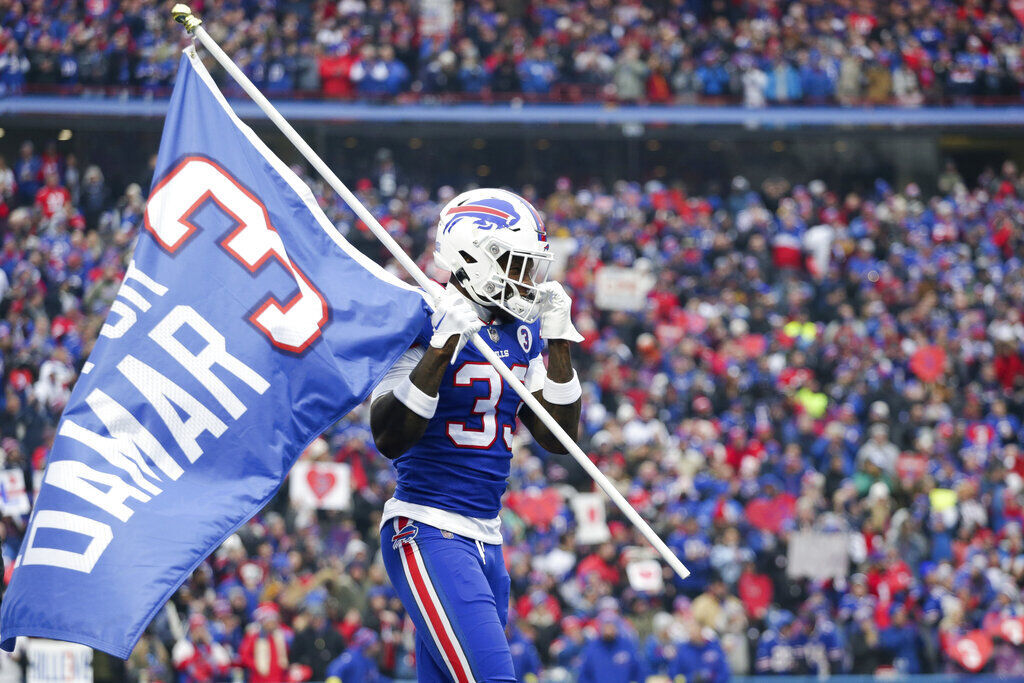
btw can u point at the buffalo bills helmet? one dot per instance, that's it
(493, 243)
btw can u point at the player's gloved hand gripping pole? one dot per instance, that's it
(183, 15)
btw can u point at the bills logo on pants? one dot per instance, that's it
(456, 592)
(407, 534)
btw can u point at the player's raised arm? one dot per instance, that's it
(405, 401)
(561, 393)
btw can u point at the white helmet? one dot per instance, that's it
(493, 243)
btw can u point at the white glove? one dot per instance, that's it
(556, 313)
(453, 316)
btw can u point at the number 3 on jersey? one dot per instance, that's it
(485, 406)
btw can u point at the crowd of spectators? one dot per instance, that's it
(808, 362)
(907, 52)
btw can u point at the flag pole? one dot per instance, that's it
(193, 24)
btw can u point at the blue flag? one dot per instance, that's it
(244, 327)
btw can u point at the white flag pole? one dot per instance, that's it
(183, 15)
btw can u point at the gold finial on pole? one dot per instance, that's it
(183, 15)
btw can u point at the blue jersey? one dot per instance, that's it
(658, 655)
(352, 666)
(525, 658)
(703, 662)
(610, 662)
(461, 463)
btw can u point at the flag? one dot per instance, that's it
(244, 327)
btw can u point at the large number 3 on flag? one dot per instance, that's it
(188, 186)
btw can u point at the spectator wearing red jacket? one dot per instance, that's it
(197, 658)
(601, 563)
(335, 67)
(1008, 365)
(264, 649)
(52, 198)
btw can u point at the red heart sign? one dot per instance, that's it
(537, 508)
(929, 363)
(769, 514)
(320, 483)
(972, 651)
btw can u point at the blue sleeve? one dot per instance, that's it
(764, 655)
(334, 669)
(679, 664)
(650, 648)
(586, 674)
(534, 656)
(639, 669)
(889, 639)
(722, 672)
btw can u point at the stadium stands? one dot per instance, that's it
(806, 364)
(860, 52)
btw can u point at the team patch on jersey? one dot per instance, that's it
(404, 536)
(525, 337)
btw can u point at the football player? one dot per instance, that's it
(446, 418)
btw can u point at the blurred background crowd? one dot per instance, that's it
(905, 52)
(810, 371)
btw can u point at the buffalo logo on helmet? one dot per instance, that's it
(490, 213)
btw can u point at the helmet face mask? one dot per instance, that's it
(493, 243)
(513, 286)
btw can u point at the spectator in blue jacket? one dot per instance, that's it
(781, 648)
(567, 649)
(14, 65)
(817, 80)
(693, 545)
(783, 82)
(473, 77)
(537, 72)
(358, 664)
(280, 77)
(611, 657)
(68, 65)
(28, 173)
(712, 76)
(902, 641)
(825, 652)
(701, 659)
(378, 72)
(395, 74)
(525, 658)
(660, 648)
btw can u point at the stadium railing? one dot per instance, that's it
(519, 113)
